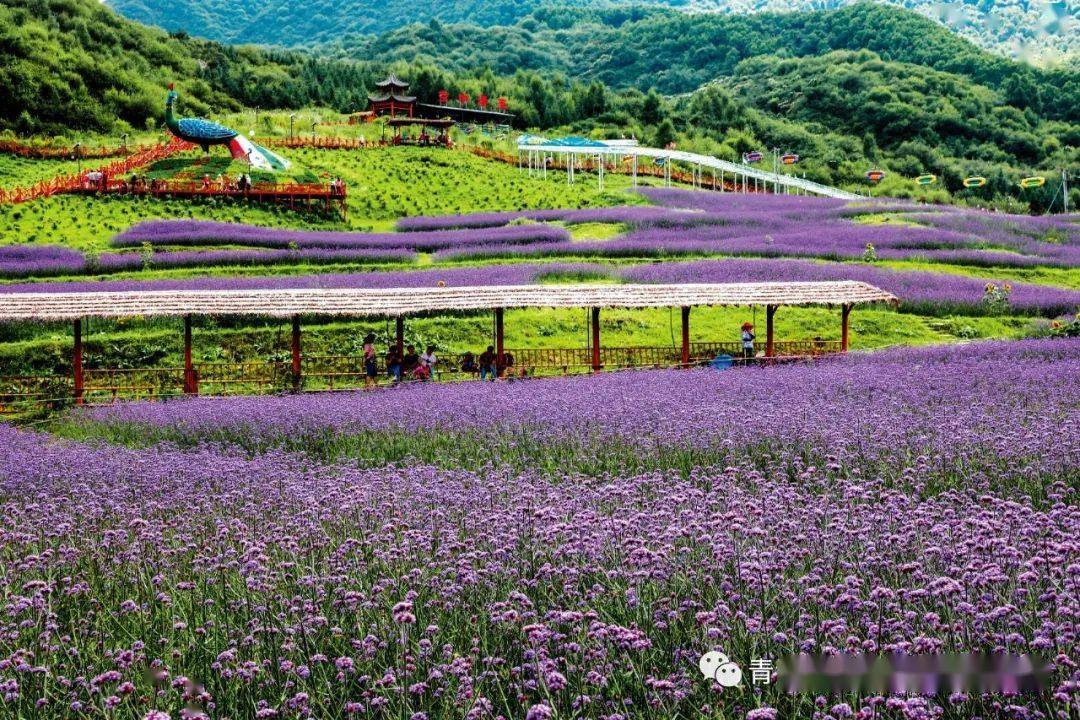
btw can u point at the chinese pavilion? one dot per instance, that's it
(392, 98)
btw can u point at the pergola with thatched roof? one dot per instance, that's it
(401, 302)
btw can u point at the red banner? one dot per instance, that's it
(482, 101)
(502, 104)
(463, 98)
(444, 97)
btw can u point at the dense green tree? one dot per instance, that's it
(652, 108)
(665, 133)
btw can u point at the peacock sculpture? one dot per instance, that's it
(204, 133)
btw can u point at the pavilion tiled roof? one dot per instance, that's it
(385, 97)
(392, 81)
(396, 302)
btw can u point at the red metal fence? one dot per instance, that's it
(76, 181)
(302, 196)
(324, 143)
(47, 152)
(341, 372)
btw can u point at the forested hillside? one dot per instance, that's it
(1009, 27)
(846, 89)
(678, 53)
(77, 65)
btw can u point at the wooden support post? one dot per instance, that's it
(770, 310)
(686, 336)
(296, 371)
(845, 311)
(399, 336)
(500, 353)
(596, 340)
(191, 382)
(77, 362)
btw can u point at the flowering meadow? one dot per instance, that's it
(699, 223)
(549, 548)
(26, 260)
(683, 223)
(202, 232)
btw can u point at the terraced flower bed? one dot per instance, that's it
(332, 555)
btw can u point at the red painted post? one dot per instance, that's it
(596, 339)
(845, 310)
(685, 336)
(500, 362)
(399, 336)
(191, 382)
(77, 362)
(770, 310)
(296, 378)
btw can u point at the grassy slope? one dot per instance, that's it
(403, 181)
(383, 185)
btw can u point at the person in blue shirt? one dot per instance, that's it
(748, 341)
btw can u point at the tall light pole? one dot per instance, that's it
(776, 169)
(78, 155)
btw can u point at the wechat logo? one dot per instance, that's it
(715, 665)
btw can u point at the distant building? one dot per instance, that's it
(392, 98)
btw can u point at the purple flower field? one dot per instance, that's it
(25, 260)
(790, 226)
(510, 274)
(118, 262)
(918, 290)
(634, 215)
(207, 233)
(550, 548)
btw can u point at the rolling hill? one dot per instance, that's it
(678, 52)
(847, 88)
(1008, 27)
(73, 65)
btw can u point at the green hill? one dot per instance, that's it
(845, 89)
(678, 52)
(76, 65)
(1009, 27)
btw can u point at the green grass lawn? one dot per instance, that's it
(383, 185)
(1059, 277)
(18, 171)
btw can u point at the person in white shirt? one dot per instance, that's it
(428, 360)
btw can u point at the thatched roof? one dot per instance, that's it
(409, 301)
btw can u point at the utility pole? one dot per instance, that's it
(1065, 189)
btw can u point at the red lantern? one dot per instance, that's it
(482, 101)
(502, 104)
(463, 98)
(444, 97)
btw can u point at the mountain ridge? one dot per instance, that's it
(1013, 28)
